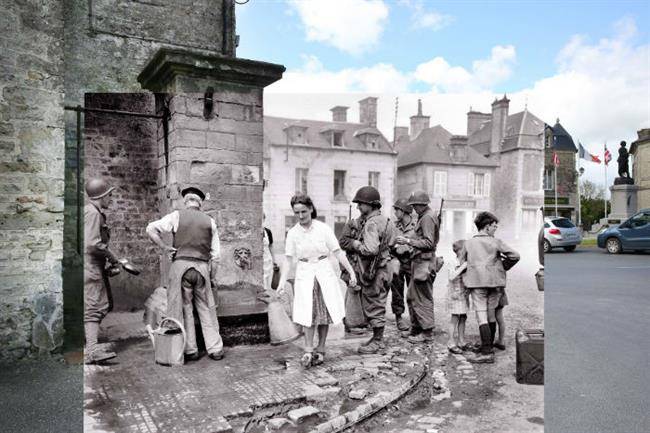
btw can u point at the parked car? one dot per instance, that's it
(631, 234)
(560, 232)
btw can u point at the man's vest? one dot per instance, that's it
(193, 239)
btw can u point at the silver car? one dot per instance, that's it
(560, 233)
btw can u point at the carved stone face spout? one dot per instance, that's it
(242, 257)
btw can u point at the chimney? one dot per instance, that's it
(418, 122)
(499, 119)
(339, 114)
(368, 111)
(400, 133)
(458, 148)
(475, 119)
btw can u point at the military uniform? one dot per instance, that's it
(97, 297)
(401, 254)
(373, 228)
(420, 295)
(354, 317)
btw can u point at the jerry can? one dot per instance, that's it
(530, 356)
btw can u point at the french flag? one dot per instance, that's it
(583, 154)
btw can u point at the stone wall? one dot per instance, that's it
(107, 44)
(222, 156)
(31, 177)
(123, 150)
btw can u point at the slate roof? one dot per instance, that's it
(518, 125)
(431, 146)
(316, 135)
(561, 139)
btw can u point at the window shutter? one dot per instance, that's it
(443, 192)
(486, 185)
(470, 184)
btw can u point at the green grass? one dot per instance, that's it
(588, 242)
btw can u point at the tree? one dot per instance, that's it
(592, 197)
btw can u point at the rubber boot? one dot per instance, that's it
(493, 331)
(486, 355)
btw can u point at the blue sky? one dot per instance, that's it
(585, 62)
(272, 30)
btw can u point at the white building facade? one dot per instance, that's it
(328, 161)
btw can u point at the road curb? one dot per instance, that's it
(372, 406)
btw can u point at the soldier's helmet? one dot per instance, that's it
(419, 197)
(403, 205)
(97, 188)
(368, 195)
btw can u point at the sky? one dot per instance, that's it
(586, 63)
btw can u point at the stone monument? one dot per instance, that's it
(623, 192)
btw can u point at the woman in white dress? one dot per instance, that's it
(318, 300)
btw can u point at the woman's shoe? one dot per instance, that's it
(307, 359)
(318, 358)
(499, 346)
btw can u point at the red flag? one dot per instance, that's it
(556, 159)
(608, 156)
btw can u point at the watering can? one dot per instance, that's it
(168, 343)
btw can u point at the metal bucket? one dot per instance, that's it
(168, 344)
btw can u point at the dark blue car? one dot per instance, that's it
(631, 234)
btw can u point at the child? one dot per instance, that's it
(457, 302)
(501, 323)
(487, 258)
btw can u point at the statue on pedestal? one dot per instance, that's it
(623, 167)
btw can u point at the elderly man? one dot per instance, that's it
(98, 260)
(194, 254)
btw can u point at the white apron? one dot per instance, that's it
(304, 288)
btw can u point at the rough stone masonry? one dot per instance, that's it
(51, 54)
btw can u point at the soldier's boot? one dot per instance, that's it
(425, 336)
(96, 354)
(375, 344)
(402, 323)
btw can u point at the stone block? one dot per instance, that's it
(299, 415)
(221, 141)
(236, 126)
(249, 143)
(211, 173)
(276, 423)
(187, 138)
(246, 174)
(358, 394)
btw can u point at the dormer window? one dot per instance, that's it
(337, 138)
(296, 134)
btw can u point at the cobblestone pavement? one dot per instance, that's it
(251, 385)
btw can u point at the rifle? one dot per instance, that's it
(442, 201)
(372, 269)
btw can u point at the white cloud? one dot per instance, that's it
(426, 19)
(312, 76)
(352, 26)
(485, 72)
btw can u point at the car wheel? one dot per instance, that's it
(570, 248)
(547, 246)
(613, 246)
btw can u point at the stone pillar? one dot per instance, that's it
(220, 151)
(624, 201)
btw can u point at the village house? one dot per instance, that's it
(496, 166)
(560, 143)
(329, 160)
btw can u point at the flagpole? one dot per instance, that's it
(579, 204)
(555, 184)
(605, 194)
